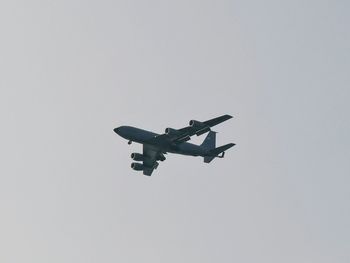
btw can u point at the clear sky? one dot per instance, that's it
(71, 71)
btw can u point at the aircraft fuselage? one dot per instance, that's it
(142, 136)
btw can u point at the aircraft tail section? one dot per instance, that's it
(209, 141)
(215, 152)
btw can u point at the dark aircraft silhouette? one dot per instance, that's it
(173, 141)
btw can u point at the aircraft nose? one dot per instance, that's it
(122, 131)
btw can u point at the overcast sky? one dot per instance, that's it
(71, 71)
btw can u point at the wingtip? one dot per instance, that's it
(227, 116)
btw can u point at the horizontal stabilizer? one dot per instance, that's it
(221, 149)
(215, 152)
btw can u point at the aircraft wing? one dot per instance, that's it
(203, 127)
(150, 162)
(184, 134)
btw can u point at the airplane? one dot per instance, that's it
(173, 141)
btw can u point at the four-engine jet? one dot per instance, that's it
(173, 141)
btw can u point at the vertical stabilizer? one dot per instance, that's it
(209, 141)
(209, 144)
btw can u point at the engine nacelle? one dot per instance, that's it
(137, 157)
(161, 157)
(194, 123)
(171, 131)
(202, 131)
(137, 166)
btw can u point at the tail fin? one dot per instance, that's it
(215, 152)
(209, 141)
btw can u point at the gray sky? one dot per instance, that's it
(71, 71)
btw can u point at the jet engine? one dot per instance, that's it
(202, 131)
(195, 123)
(171, 131)
(137, 166)
(202, 128)
(137, 157)
(161, 157)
